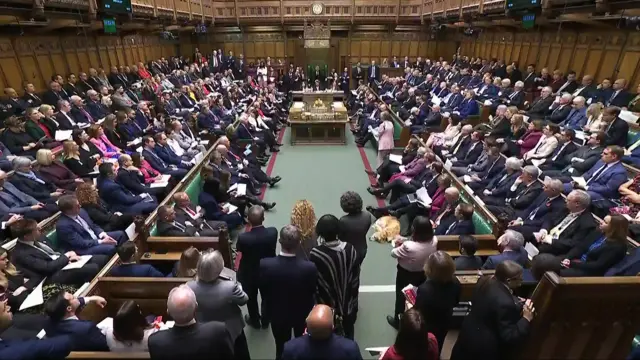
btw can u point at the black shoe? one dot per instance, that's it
(265, 324)
(393, 321)
(251, 322)
(394, 213)
(274, 150)
(268, 206)
(273, 182)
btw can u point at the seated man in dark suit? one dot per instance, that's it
(539, 108)
(189, 339)
(557, 159)
(287, 309)
(616, 129)
(128, 266)
(579, 161)
(521, 193)
(467, 259)
(14, 201)
(463, 224)
(468, 155)
(213, 211)
(548, 205)
(35, 259)
(157, 163)
(320, 340)
(188, 214)
(118, 198)
(560, 110)
(132, 179)
(565, 235)
(511, 245)
(164, 152)
(77, 232)
(169, 225)
(95, 107)
(62, 310)
(30, 182)
(53, 349)
(256, 244)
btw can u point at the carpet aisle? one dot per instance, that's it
(321, 174)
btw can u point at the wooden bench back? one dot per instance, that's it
(584, 318)
(164, 245)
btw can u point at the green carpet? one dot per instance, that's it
(320, 174)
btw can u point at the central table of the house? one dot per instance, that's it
(318, 118)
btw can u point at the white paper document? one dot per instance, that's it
(78, 264)
(537, 162)
(467, 179)
(396, 158)
(579, 180)
(199, 156)
(131, 231)
(136, 141)
(63, 135)
(436, 100)
(242, 190)
(204, 142)
(448, 164)
(139, 149)
(233, 187)
(628, 116)
(531, 250)
(229, 208)
(423, 197)
(402, 168)
(35, 298)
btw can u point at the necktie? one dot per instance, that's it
(86, 114)
(513, 94)
(613, 96)
(86, 227)
(535, 211)
(556, 231)
(559, 151)
(179, 226)
(451, 227)
(597, 174)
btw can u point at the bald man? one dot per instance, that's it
(186, 212)
(320, 341)
(12, 105)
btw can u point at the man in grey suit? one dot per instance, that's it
(219, 298)
(14, 201)
(189, 339)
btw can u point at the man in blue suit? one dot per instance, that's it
(157, 163)
(605, 177)
(287, 285)
(128, 267)
(51, 349)
(468, 106)
(511, 245)
(118, 197)
(487, 90)
(455, 98)
(61, 309)
(577, 117)
(256, 244)
(619, 96)
(76, 232)
(167, 155)
(320, 341)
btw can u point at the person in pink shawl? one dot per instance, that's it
(100, 140)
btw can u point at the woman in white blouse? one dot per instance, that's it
(594, 118)
(546, 145)
(449, 135)
(130, 330)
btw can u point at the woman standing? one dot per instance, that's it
(438, 295)
(414, 341)
(355, 224)
(498, 321)
(219, 299)
(385, 140)
(338, 274)
(411, 255)
(304, 218)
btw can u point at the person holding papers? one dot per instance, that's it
(53, 171)
(213, 211)
(118, 197)
(168, 225)
(34, 259)
(19, 142)
(603, 179)
(568, 234)
(56, 348)
(132, 179)
(80, 234)
(14, 286)
(62, 309)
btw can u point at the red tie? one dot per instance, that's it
(191, 212)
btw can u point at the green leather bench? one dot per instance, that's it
(481, 225)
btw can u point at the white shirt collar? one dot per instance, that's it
(286, 254)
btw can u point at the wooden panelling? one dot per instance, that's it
(614, 54)
(37, 59)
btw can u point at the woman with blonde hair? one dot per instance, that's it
(14, 288)
(303, 217)
(53, 171)
(71, 155)
(594, 118)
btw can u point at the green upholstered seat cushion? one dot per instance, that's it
(194, 188)
(632, 137)
(53, 239)
(482, 226)
(154, 230)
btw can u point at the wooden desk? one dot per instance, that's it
(323, 124)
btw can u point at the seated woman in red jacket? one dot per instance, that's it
(55, 172)
(413, 340)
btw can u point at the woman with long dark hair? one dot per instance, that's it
(413, 341)
(130, 331)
